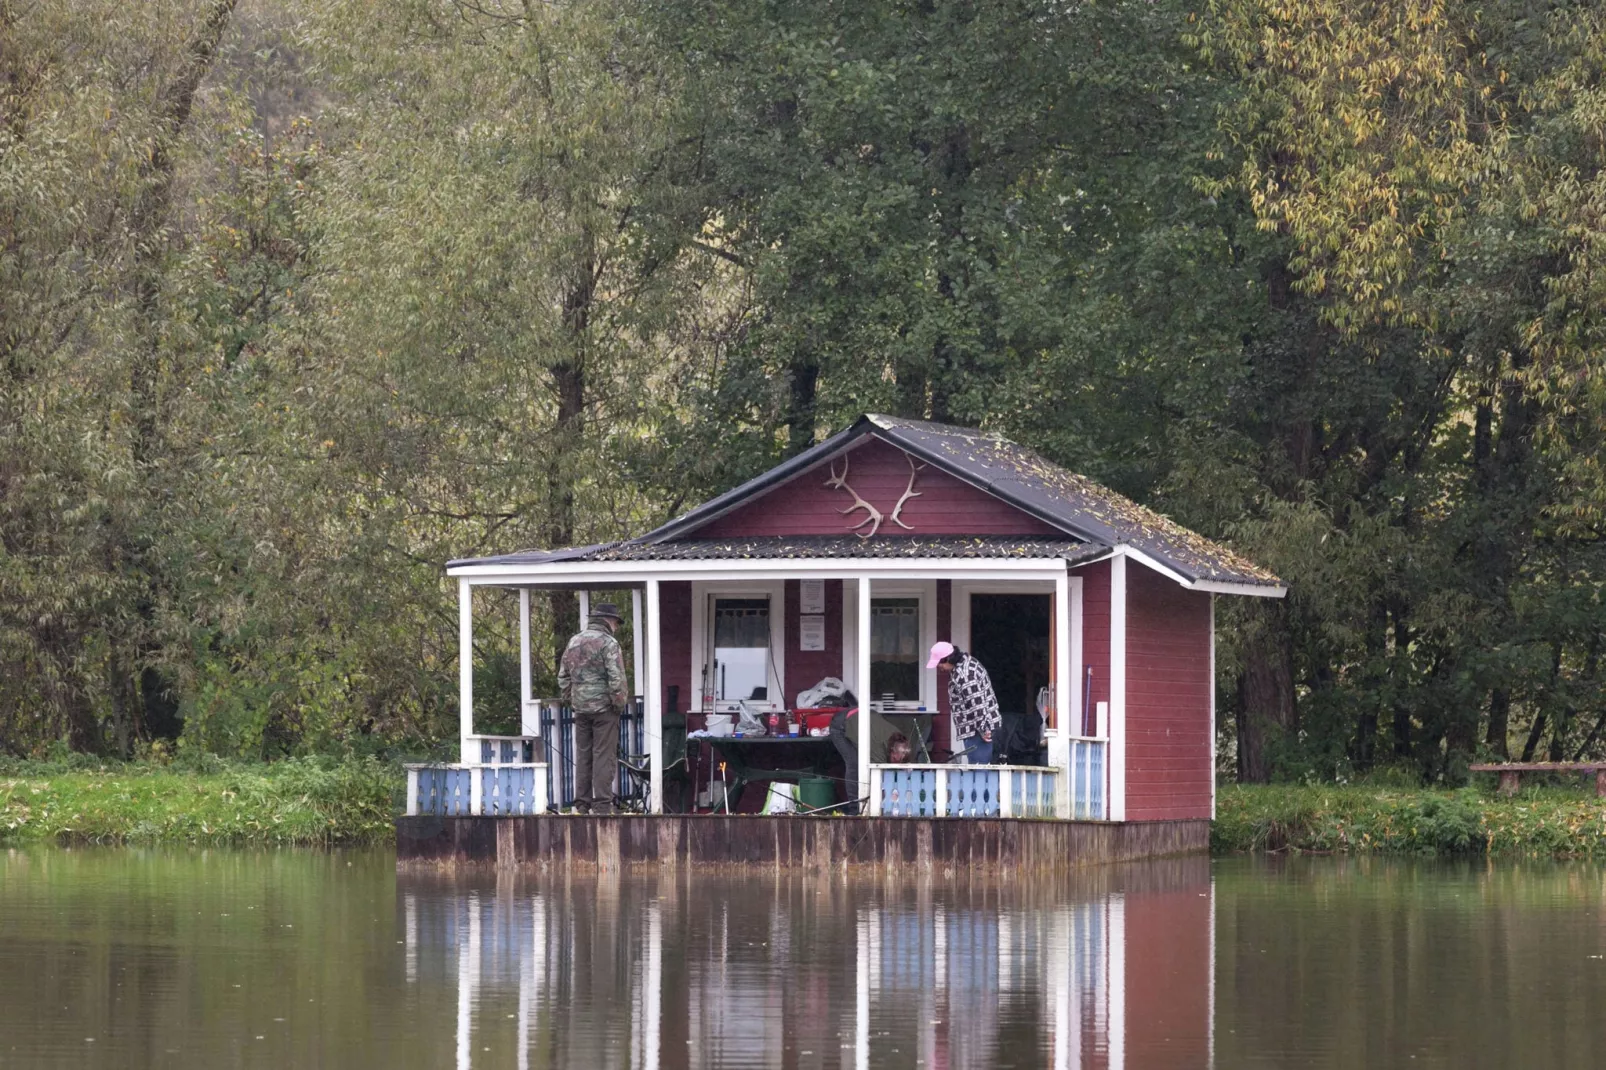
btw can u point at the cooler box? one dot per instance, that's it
(817, 716)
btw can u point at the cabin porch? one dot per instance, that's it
(795, 623)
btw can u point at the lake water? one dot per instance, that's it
(128, 958)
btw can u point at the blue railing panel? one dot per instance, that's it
(1087, 779)
(445, 792)
(972, 793)
(507, 790)
(909, 793)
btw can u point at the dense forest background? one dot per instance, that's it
(300, 299)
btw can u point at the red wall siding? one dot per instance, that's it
(1095, 635)
(805, 668)
(879, 472)
(1168, 683)
(674, 606)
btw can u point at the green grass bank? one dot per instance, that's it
(296, 802)
(1540, 822)
(326, 802)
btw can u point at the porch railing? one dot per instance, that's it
(476, 790)
(1086, 773)
(507, 750)
(962, 791)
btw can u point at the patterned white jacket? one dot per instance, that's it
(971, 698)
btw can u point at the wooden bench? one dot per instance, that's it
(1511, 772)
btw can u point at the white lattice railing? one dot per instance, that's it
(477, 790)
(503, 750)
(962, 791)
(1085, 779)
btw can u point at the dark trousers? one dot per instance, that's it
(850, 754)
(596, 760)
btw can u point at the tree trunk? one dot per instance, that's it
(149, 218)
(1266, 689)
(953, 166)
(1535, 733)
(1404, 747)
(800, 416)
(1564, 722)
(912, 386)
(1499, 724)
(569, 384)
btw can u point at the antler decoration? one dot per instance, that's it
(872, 515)
(908, 492)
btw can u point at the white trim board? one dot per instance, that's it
(1251, 590)
(600, 574)
(1117, 726)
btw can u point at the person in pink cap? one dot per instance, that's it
(971, 699)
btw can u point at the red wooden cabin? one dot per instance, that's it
(852, 558)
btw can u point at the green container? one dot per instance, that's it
(813, 792)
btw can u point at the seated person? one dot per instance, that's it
(898, 749)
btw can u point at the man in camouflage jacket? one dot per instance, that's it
(591, 679)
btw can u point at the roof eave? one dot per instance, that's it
(1253, 588)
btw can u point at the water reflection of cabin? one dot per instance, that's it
(1105, 972)
(851, 559)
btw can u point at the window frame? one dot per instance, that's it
(703, 593)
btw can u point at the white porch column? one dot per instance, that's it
(864, 735)
(1117, 728)
(655, 696)
(529, 721)
(465, 669)
(585, 609)
(1059, 741)
(637, 684)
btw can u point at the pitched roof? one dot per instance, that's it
(1020, 477)
(1094, 519)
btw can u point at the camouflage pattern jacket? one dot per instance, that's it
(591, 675)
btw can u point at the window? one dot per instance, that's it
(741, 649)
(895, 661)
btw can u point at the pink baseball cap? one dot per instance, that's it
(939, 651)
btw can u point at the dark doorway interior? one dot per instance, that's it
(1009, 635)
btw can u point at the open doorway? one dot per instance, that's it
(1009, 636)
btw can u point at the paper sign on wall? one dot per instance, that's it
(811, 634)
(811, 595)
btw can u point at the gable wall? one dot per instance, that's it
(1167, 699)
(880, 473)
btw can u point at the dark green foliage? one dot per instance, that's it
(437, 278)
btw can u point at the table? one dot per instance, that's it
(739, 754)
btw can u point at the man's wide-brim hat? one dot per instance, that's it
(606, 609)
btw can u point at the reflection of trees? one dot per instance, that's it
(1464, 963)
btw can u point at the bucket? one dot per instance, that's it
(814, 792)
